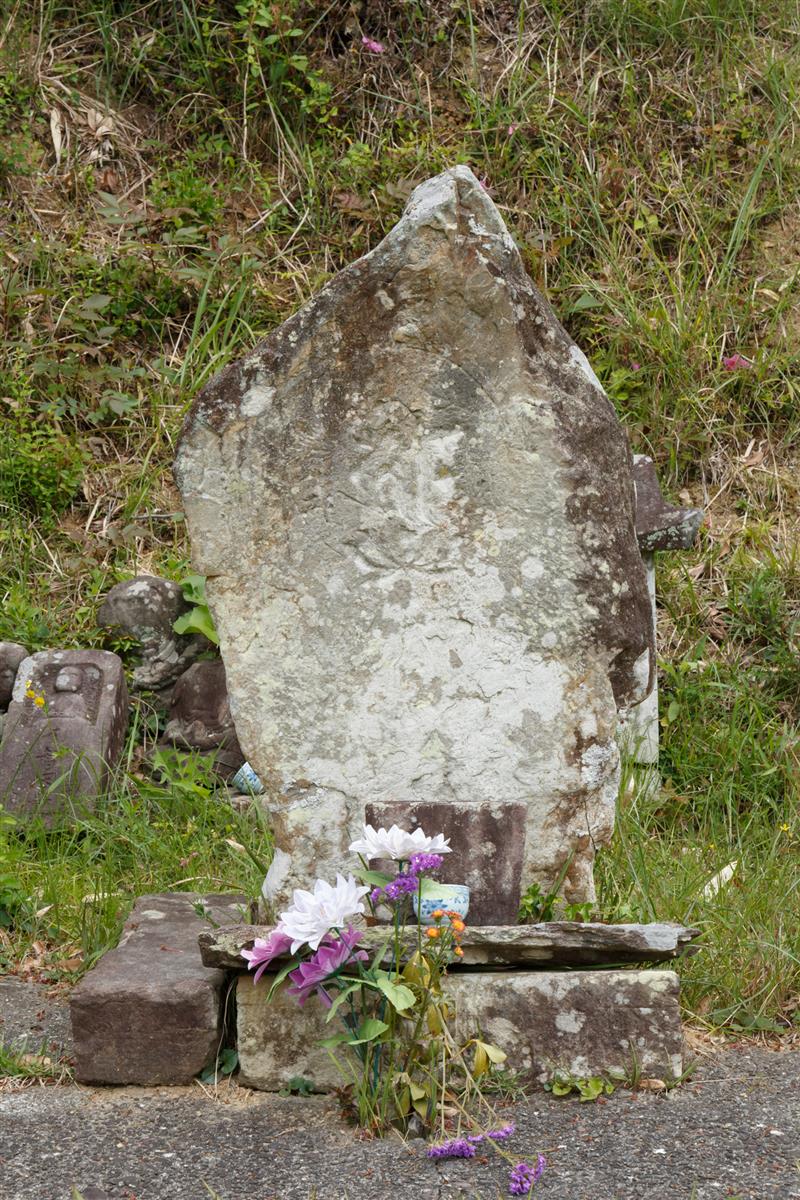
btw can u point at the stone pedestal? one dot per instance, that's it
(583, 1023)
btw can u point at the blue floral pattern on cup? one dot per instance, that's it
(452, 896)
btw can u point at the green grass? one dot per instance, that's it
(213, 164)
(70, 889)
(20, 1067)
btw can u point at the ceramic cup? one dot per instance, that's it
(452, 896)
(246, 782)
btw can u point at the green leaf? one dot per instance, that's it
(368, 1031)
(403, 1102)
(338, 1039)
(279, 978)
(376, 878)
(226, 1064)
(96, 303)
(397, 994)
(586, 301)
(194, 589)
(339, 1000)
(197, 620)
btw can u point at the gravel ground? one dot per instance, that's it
(732, 1132)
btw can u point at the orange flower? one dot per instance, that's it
(459, 926)
(459, 951)
(432, 933)
(437, 914)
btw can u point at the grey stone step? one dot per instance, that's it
(149, 1011)
(584, 1023)
(563, 943)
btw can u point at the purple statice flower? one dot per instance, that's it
(457, 1148)
(265, 949)
(495, 1135)
(333, 952)
(500, 1135)
(523, 1177)
(402, 885)
(424, 862)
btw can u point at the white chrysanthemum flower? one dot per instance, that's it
(397, 843)
(312, 914)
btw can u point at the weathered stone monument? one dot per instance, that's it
(64, 731)
(414, 506)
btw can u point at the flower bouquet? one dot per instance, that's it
(391, 1021)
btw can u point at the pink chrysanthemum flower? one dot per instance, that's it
(265, 949)
(334, 952)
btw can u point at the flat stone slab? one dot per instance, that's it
(734, 1130)
(149, 1011)
(581, 1022)
(567, 943)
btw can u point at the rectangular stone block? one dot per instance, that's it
(149, 1011)
(581, 1022)
(487, 842)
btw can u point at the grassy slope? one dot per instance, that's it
(178, 178)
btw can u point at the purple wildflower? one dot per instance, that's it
(424, 862)
(333, 952)
(457, 1148)
(371, 46)
(523, 1177)
(375, 895)
(265, 949)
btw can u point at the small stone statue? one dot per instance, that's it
(200, 716)
(64, 731)
(146, 608)
(11, 655)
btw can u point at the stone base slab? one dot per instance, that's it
(581, 1022)
(557, 943)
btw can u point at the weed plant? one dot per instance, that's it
(178, 179)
